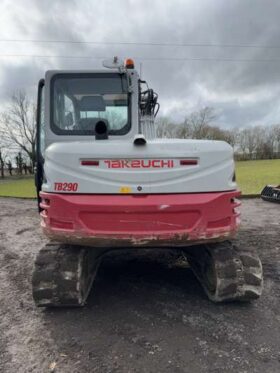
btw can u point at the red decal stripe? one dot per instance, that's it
(89, 163)
(188, 162)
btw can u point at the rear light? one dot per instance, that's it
(188, 162)
(89, 163)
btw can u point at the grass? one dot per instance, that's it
(20, 187)
(252, 176)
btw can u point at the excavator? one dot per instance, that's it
(106, 182)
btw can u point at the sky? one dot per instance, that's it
(230, 61)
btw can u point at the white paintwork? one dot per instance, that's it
(213, 173)
(63, 155)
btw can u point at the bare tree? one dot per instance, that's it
(254, 142)
(259, 140)
(196, 125)
(277, 132)
(3, 156)
(217, 133)
(164, 128)
(270, 141)
(266, 141)
(184, 130)
(19, 163)
(200, 121)
(10, 167)
(231, 136)
(18, 125)
(276, 136)
(248, 140)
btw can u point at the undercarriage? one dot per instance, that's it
(63, 274)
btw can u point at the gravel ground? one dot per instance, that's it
(145, 312)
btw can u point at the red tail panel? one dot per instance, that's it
(147, 220)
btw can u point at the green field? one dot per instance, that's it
(252, 176)
(23, 187)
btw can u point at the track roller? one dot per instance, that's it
(226, 272)
(63, 275)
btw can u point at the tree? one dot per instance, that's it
(10, 167)
(266, 141)
(231, 136)
(248, 140)
(184, 130)
(3, 157)
(242, 142)
(270, 141)
(194, 126)
(18, 125)
(260, 142)
(276, 129)
(200, 121)
(197, 125)
(19, 163)
(164, 128)
(276, 136)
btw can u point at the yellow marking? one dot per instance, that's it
(125, 189)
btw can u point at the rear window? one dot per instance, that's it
(79, 101)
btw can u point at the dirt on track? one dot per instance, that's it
(146, 312)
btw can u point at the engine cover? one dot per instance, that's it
(161, 166)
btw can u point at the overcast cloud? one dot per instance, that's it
(242, 93)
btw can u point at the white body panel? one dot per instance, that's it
(213, 172)
(63, 153)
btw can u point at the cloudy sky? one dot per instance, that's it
(230, 61)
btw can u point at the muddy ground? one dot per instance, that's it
(145, 313)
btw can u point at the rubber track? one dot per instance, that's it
(61, 275)
(237, 274)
